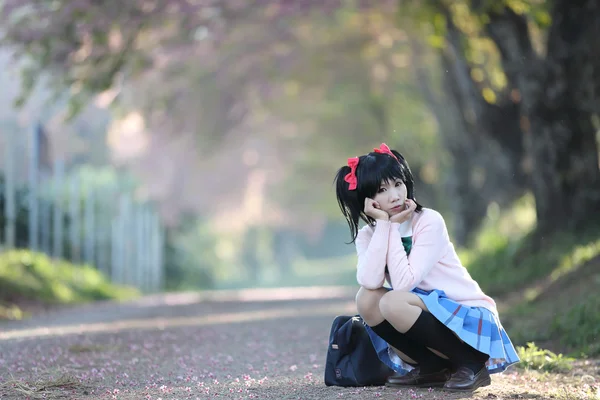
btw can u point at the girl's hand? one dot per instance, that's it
(405, 214)
(373, 211)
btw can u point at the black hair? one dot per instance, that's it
(372, 169)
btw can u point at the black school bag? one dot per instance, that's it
(351, 358)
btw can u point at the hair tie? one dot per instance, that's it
(384, 149)
(351, 176)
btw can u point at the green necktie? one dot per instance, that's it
(407, 243)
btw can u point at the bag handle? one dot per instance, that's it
(343, 337)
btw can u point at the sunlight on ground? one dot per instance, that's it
(570, 263)
(501, 227)
(165, 322)
(247, 295)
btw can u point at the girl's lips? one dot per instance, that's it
(397, 207)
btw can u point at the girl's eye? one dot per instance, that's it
(398, 183)
(381, 190)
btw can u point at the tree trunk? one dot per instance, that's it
(558, 104)
(454, 133)
(485, 140)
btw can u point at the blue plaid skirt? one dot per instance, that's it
(476, 326)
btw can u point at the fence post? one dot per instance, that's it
(121, 242)
(139, 246)
(74, 216)
(126, 239)
(33, 188)
(9, 190)
(89, 215)
(104, 245)
(148, 247)
(58, 217)
(157, 253)
(116, 246)
(160, 240)
(45, 205)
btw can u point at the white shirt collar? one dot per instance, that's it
(405, 228)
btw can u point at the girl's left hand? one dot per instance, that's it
(406, 214)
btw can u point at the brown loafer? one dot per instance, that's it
(414, 378)
(465, 380)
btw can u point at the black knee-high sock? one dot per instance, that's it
(435, 335)
(428, 361)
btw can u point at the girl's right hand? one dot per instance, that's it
(373, 211)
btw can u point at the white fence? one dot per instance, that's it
(78, 219)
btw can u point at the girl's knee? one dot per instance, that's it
(367, 302)
(392, 303)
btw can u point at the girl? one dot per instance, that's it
(434, 326)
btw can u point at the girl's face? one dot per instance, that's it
(391, 196)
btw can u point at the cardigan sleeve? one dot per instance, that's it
(372, 247)
(429, 245)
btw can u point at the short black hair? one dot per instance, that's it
(373, 169)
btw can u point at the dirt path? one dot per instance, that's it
(262, 344)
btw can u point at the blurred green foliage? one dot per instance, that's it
(191, 261)
(30, 275)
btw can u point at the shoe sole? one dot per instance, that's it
(486, 382)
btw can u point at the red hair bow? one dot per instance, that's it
(384, 149)
(351, 176)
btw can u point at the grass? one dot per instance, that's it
(548, 292)
(535, 358)
(34, 277)
(579, 326)
(60, 387)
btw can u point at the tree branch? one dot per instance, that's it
(510, 33)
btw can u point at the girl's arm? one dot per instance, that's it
(406, 272)
(372, 255)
